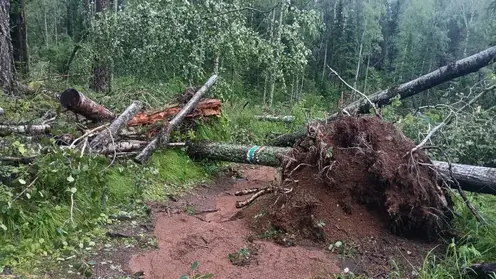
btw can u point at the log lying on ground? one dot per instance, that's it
(460, 68)
(247, 154)
(123, 146)
(471, 178)
(106, 136)
(163, 137)
(205, 108)
(6, 130)
(273, 118)
(78, 103)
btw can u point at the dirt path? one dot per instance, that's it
(210, 234)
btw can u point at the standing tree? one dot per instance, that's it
(19, 37)
(6, 57)
(100, 79)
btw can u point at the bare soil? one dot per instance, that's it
(207, 229)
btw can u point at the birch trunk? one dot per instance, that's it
(104, 138)
(459, 68)
(164, 135)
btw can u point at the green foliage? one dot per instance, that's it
(476, 245)
(57, 205)
(195, 274)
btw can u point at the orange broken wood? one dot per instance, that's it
(206, 108)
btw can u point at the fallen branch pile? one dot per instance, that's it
(127, 133)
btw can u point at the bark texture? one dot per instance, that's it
(471, 178)
(246, 154)
(19, 37)
(105, 137)
(457, 69)
(207, 107)
(101, 72)
(6, 55)
(24, 129)
(272, 118)
(75, 101)
(164, 136)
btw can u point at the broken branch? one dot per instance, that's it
(164, 135)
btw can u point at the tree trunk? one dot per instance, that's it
(101, 75)
(366, 75)
(78, 103)
(164, 135)
(359, 62)
(272, 118)
(471, 178)
(104, 138)
(247, 154)
(6, 55)
(19, 37)
(276, 60)
(457, 69)
(216, 64)
(324, 63)
(6, 130)
(46, 22)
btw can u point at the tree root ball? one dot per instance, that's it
(362, 164)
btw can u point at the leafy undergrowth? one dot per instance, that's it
(476, 242)
(63, 201)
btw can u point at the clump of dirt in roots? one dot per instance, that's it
(359, 170)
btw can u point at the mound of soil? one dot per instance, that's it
(356, 185)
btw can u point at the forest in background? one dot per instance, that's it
(270, 56)
(273, 52)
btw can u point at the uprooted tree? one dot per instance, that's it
(457, 69)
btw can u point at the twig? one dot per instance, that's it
(352, 88)
(246, 192)
(84, 147)
(115, 152)
(24, 191)
(241, 204)
(87, 134)
(448, 119)
(72, 207)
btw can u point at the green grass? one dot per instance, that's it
(477, 242)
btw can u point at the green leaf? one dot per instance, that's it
(70, 179)
(22, 181)
(21, 149)
(73, 190)
(28, 195)
(194, 265)
(208, 275)
(3, 227)
(184, 277)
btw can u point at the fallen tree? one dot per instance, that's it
(205, 108)
(6, 130)
(457, 69)
(163, 136)
(109, 134)
(76, 102)
(471, 178)
(273, 118)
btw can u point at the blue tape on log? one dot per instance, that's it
(251, 152)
